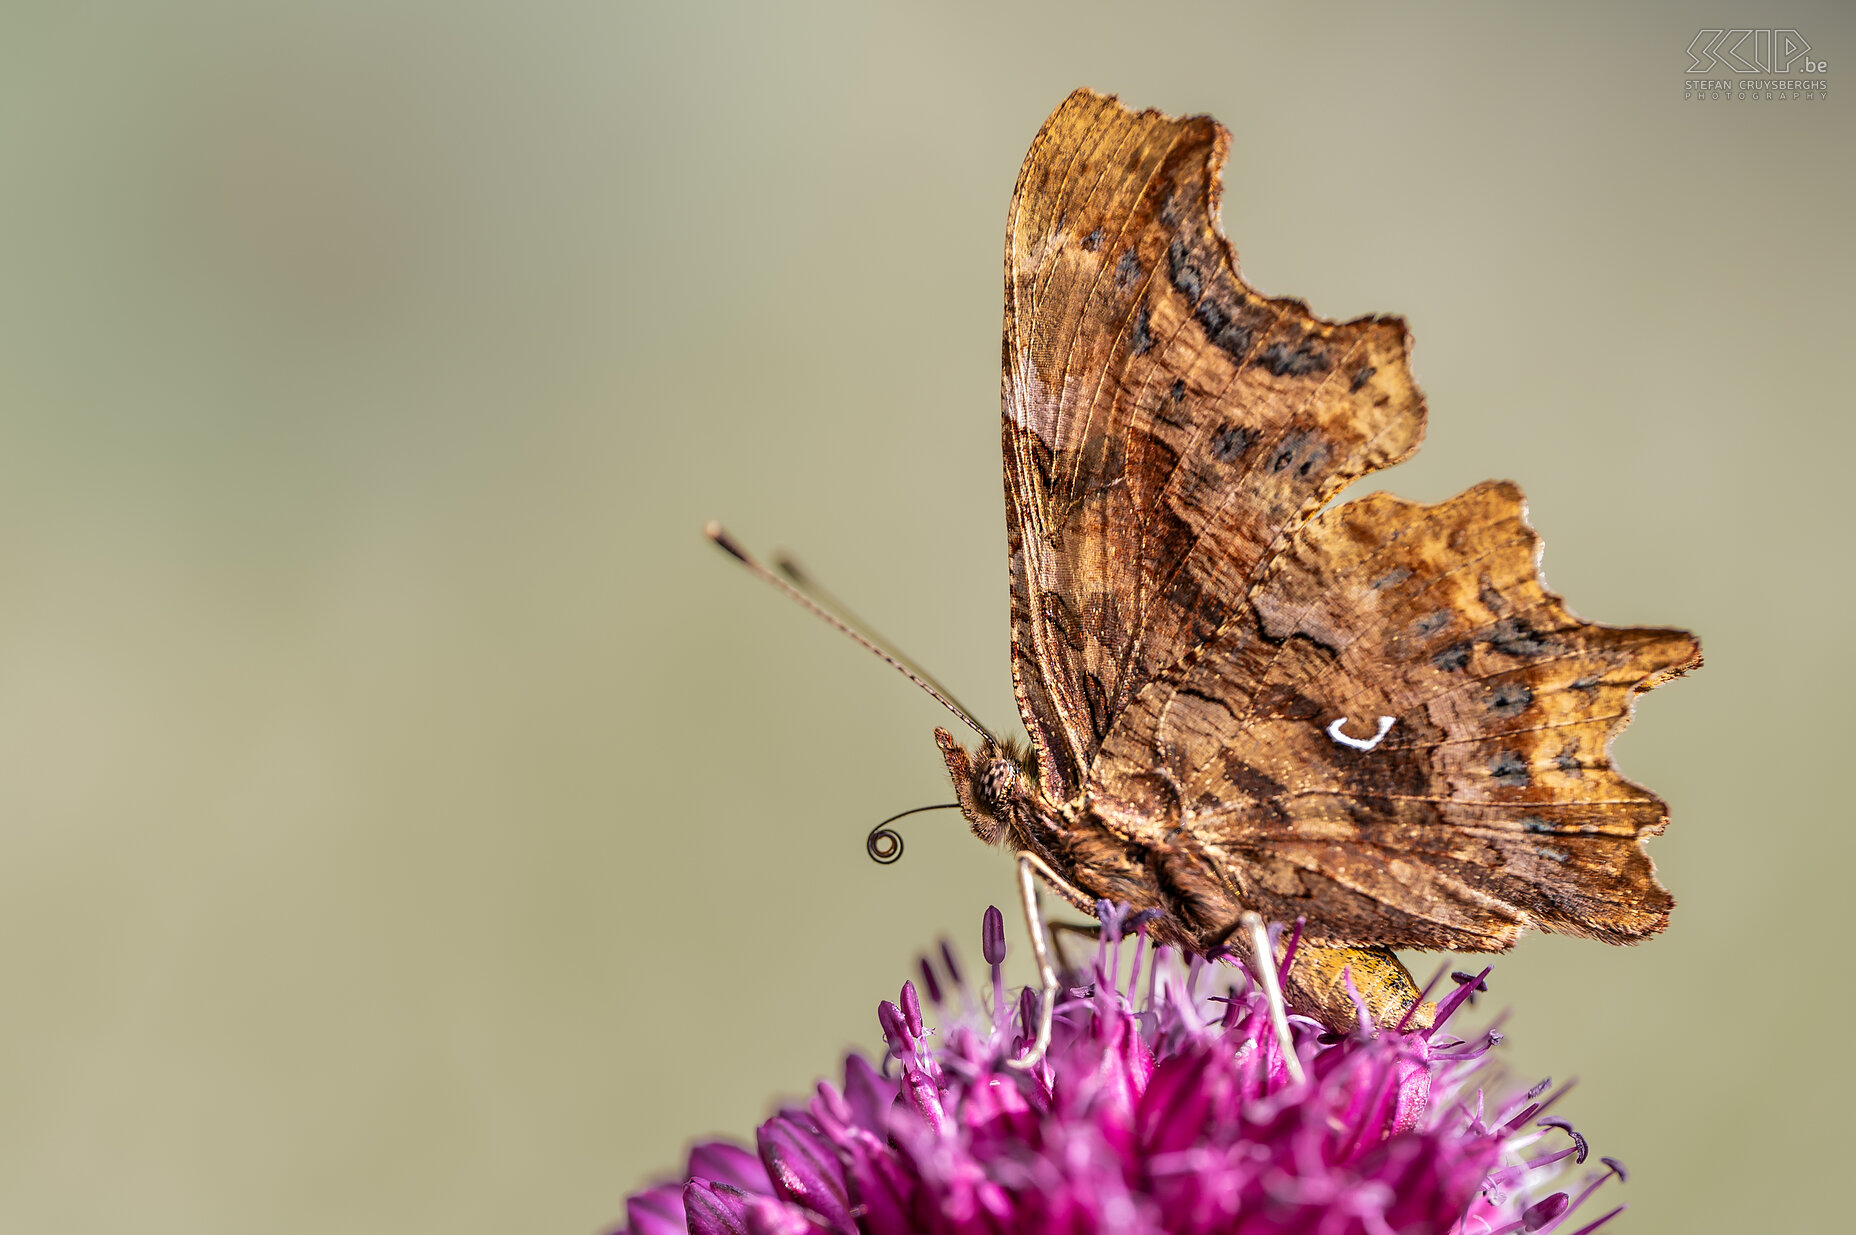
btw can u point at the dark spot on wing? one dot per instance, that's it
(1224, 334)
(1259, 789)
(1212, 316)
(1587, 682)
(1533, 823)
(1508, 768)
(1392, 578)
(1292, 446)
(1360, 375)
(1490, 596)
(1285, 361)
(1179, 389)
(1283, 702)
(1092, 241)
(1568, 759)
(1141, 339)
(1230, 443)
(1175, 415)
(1431, 623)
(1128, 270)
(1041, 461)
(1510, 698)
(1513, 637)
(1183, 593)
(1180, 269)
(1454, 657)
(1097, 699)
(1309, 709)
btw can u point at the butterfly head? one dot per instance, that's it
(993, 783)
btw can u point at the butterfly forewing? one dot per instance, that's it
(1164, 424)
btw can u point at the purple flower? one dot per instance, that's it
(1165, 1104)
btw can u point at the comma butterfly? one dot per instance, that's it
(1372, 717)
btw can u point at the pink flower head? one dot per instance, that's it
(1165, 1105)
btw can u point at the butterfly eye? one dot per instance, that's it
(995, 782)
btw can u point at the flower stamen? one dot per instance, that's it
(1182, 1113)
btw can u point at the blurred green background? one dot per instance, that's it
(408, 822)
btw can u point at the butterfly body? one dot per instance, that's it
(1372, 717)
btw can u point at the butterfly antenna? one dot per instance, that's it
(848, 627)
(802, 579)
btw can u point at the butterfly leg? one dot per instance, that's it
(1030, 865)
(1262, 958)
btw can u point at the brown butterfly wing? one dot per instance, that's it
(1491, 803)
(1183, 635)
(1165, 426)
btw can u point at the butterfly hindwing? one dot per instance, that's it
(1488, 804)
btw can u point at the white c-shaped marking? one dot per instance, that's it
(1385, 727)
